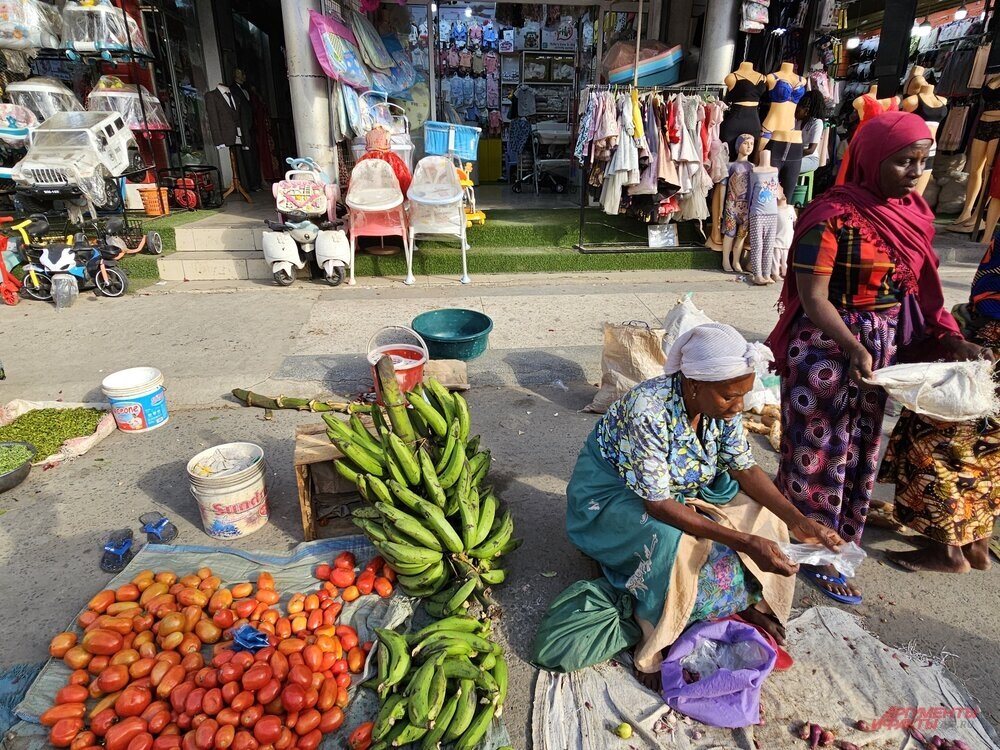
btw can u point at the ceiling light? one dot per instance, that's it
(468, 11)
(434, 8)
(961, 13)
(853, 43)
(925, 28)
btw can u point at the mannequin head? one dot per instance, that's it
(917, 80)
(239, 77)
(744, 146)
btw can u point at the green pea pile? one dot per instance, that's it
(12, 457)
(48, 429)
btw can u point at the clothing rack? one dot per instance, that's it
(632, 246)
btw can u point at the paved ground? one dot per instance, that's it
(526, 398)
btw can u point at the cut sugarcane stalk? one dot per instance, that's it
(395, 402)
(249, 398)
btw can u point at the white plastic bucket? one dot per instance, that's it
(227, 482)
(138, 399)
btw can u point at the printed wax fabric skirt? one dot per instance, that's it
(831, 426)
(607, 521)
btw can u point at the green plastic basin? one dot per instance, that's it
(454, 333)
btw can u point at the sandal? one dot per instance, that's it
(818, 579)
(118, 551)
(157, 528)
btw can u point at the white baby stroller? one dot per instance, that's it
(436, 207)
(375, 204)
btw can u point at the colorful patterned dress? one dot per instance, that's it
(831, 425)
(644, 448)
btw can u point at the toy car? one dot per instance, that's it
(78, 155)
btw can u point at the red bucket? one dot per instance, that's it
(407, 359)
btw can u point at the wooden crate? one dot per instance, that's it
(322, 491)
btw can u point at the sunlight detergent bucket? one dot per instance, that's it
(227, 482)
(407, 359)
(137, 398)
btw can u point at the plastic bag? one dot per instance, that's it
(847, 561)
(726, 694)
(64, 290)
(682, 317)
(586, 624)
(948, 391)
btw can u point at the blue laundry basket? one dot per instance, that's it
(445, 138)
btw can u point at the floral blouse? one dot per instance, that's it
(647, 437)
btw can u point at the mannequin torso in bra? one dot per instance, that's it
(869, 105)
(991, 96)
(785, 89)
(744, 87)
(931, 107)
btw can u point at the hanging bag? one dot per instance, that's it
(587, 624)
(633, 352)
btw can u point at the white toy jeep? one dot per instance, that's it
(78, 155)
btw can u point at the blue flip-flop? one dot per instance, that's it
(818, 579)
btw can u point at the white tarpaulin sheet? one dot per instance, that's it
(841, 674)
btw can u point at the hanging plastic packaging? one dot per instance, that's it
(27, 24)
(948, 391)
(847, 561)
(64, 290)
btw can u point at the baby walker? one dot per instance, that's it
(307, 202)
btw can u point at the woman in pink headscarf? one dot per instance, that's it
(863, 282)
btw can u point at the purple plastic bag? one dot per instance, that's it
(727, 698)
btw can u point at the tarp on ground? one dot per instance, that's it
(292, 573)
(841, 674)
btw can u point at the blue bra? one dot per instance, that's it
(783, 92)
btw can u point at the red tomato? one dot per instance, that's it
(267, 731)
(224, 737)
(72, 694)
(243, 701)
(331, 720)
(64, 731)
(348, 637)
(308, 721)
(103, 721)
(342, 577)
(344, 560)
(133, 701)
(361, 738)
(228, 717)
(256, 677)
(293, 697)
(300, 675)
(251, 716)
(323, 572)
(343, 680)
(270, 691)
(142, 741)
(244, 741)
(204, 735)
(365, 582)
(310, 741)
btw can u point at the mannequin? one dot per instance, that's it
(763, 210)
(249, 158)
(915, 81)
(223, 109)
(984, 148)
(785, 89)
(744, 87)
(932, 108)
(867, 106)
(735, 215)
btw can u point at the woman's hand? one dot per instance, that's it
(769, 557)
(962, 350)
(807, 531)
(860, 363)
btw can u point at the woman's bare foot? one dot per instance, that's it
(935, 557)
(978, 554)
(760, 281)
(650, 680)
(768, 622)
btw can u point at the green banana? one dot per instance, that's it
(430, 577)
(379, 491)
(419, 692)
(407, 734)
(408, 555)
(461, 596)
(482, 467)
(378, 419)
(406, 569)
(493, 577)
(373, 529)
(439, 525)
(393, 534)
(462, 414)
(410, 525)
(443, 399)
(395, 471)
(487, 662)
(472, 447)
(367, 511)
(460, 668)
(338, 426)
(405, 459)
(452, 507)
(444, 596)
(468, 508)
(434, 491)
(360, 456)
(347, 470)
(432, 740)
(510, 546)
(381, 666)
(362, 435)
(434, 609)
(362, 486)
(464, 712)
(495, 543)
(457, 624)
(402, 493)
(487, 514)
(449, 447)
(448, 648)
(453, 470)
(477, 729)
(437, 694)
(499, 674)
(437, 423)
(478, 643)
(391, 711)
(398, 657)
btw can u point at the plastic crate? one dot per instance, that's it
(445, 139)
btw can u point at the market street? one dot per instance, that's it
(526, 396)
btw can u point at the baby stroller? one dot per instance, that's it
(100, 27)
(436, 207)
(375, 204)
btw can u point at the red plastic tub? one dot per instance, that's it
(407, 359)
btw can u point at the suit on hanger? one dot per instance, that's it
(250, 160)
(224, 119)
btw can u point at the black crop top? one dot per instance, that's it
(930, 114)
(745, 91)
(991, 98)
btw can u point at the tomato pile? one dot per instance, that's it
(140, 680)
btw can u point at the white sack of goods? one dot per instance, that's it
(947, 391)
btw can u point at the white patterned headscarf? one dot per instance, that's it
(713, 352)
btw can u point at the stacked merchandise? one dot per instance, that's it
(654, 156)
(468, 67)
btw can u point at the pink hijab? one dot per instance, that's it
(903, 226)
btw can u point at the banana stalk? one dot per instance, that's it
(249, 398)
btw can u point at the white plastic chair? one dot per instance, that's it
(436, 208)
(375, 205)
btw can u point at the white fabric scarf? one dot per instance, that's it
(713, 352)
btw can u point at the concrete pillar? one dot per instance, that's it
(308, 86)
(213, 75)
(718, 41)
(677, 23)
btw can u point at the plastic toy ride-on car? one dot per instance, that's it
(78, 155)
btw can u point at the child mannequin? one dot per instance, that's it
(764, 189)
(735, 213)
(782, 238)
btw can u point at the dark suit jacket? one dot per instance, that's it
(223, 120)
(242, 97)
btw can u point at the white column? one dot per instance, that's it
(718, 41)
(308, 86)
(213, 75)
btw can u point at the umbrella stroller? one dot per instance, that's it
(375, 204)
(436, 207)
